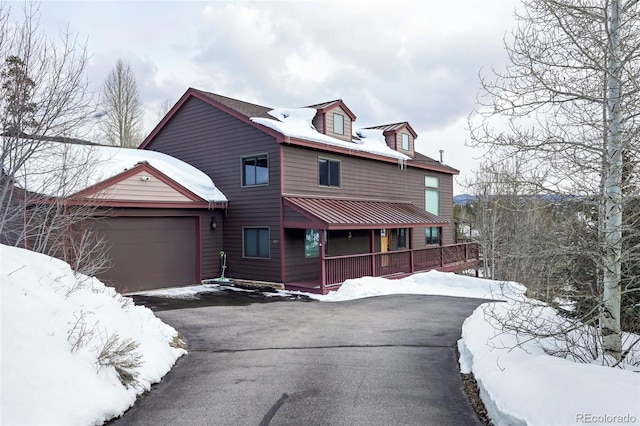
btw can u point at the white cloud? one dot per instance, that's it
(415, 61)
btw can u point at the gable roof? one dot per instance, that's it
(262, 118)
(394, 127)
(421, 159)
(245, 108)
(84, 166)
(324, 106)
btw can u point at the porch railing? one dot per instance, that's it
(340, 268)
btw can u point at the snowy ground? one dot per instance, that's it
(54, 326)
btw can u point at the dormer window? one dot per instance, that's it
(405, 142)
(338, 123)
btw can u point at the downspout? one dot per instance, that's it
(281, 227)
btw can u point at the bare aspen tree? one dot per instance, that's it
(44, 95)
(165, 107)
(123, 111)
(569, 102)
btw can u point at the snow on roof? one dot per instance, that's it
(296, 123)
(59, 169)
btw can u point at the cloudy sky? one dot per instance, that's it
(390, 61)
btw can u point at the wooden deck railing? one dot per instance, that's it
(340, 268)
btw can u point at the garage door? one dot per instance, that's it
(151, 252)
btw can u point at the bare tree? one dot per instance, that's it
(44, 95)
(122, 125)
(165, 107)
(569, 102)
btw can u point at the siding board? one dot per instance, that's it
(364, 178)
(214, 142)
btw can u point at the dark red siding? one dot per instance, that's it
(364, 178)
(215, 142)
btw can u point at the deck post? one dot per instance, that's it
(323, 264)
(372, 250)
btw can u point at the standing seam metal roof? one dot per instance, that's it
(340, 212)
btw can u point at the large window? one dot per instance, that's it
(255, 170)
(311, 243)
(255, 242)
(432, 236)
(405, 142)
(328, 172)
(338, 123)
(400, 238)
(432, 205)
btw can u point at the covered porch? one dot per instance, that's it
(328, 241)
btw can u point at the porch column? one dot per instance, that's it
(412, 267)
(372, 249)
(323, 266)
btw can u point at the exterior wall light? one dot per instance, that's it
(214, 223)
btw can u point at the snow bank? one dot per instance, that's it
(44, 381)
(520, 384)
(432, 283)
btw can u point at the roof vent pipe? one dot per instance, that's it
(442, 156)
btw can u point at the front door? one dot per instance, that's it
(384, 247)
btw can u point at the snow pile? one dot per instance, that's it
(520, 384)
(53, 326)
(62, 169)
(297, 123)
(432, 283)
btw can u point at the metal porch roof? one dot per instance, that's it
(331, 213)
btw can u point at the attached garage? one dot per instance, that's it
(160, 218)
(151, 252)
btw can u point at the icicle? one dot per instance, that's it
(402, 163)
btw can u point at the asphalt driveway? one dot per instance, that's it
(379, 361)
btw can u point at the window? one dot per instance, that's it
(400, 238)
(432, 236)
(405, 142)
(255, 170)
(432, 205)
(338, 123)
(431, 182)
(311, 243)
(255, 242)
(432, 201)
(328, 172)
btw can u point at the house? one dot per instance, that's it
(313, 199)
(154, 214)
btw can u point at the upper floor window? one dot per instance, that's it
(255, 242)
(328, 172)
(405, 142)
(338, 123)
(255, 170)
(431, 182)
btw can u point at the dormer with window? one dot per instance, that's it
(334, 119)
(399, 136)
